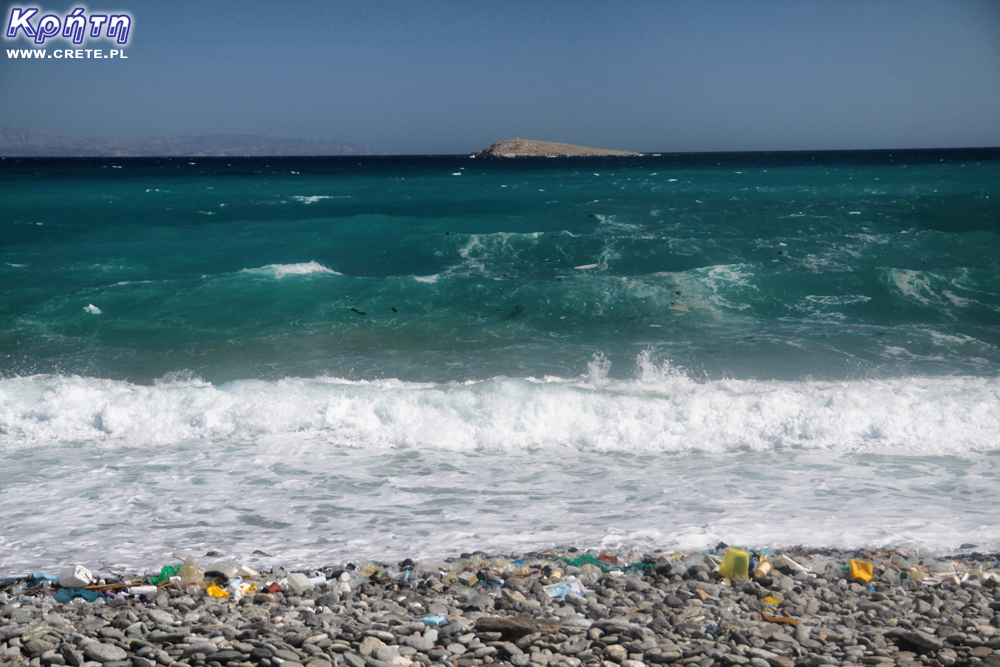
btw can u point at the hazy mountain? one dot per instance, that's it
(15, 142)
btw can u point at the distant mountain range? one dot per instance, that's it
(16, 142)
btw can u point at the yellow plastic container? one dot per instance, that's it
(216, 592)
(736, 563)
(861, 570)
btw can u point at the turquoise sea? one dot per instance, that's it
(331, 358)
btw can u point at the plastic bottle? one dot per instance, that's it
(190, 573)
(763, 569)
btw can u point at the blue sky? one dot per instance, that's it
(450, 76)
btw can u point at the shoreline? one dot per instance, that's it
(575, 608)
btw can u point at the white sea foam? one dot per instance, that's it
(662, 410)
(315, 470)
(312, 199)
(300, 269)
(927, 288)
(658, 461)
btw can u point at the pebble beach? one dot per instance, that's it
(574, 608)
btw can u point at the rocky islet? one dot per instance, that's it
(579, 609)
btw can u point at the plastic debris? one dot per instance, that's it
(67, 594)
(299, 583)
(165, 574)
(434, 621)
(190, 573)
(763, 568)
(468, 579)
(564, 588)
(560, 574)
(861, 570)
(76, 577)
(788, 620)
(736, 563)
(216, 592)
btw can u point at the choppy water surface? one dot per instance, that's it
(334, 358)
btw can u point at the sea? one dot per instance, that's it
(343, 358)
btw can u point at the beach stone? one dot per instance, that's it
(616, 652)
(160, 617)
(369, 644)
(780, 661)
(420, 643)
(224, 655)
(516, 626)
(921, 639)
(37, 646)
(820, 660)
(512, 648)
(71, 655)
(103, 653)
(353, 660)
(52, 657)
(172, 637)
(479, 602)
(385, 653)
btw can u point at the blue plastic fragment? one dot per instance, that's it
(67, 594)
(434, 621)
(41, 576)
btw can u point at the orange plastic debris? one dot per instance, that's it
(788, 620)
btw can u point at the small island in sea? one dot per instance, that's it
(528, 148)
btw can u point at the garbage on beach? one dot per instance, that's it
(76, 577)
(564, 588)
(736, 563)
(560, 574)
(861, 570)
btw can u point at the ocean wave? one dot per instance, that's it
(299, 269)
(660, 410)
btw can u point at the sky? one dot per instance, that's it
(453, 76)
